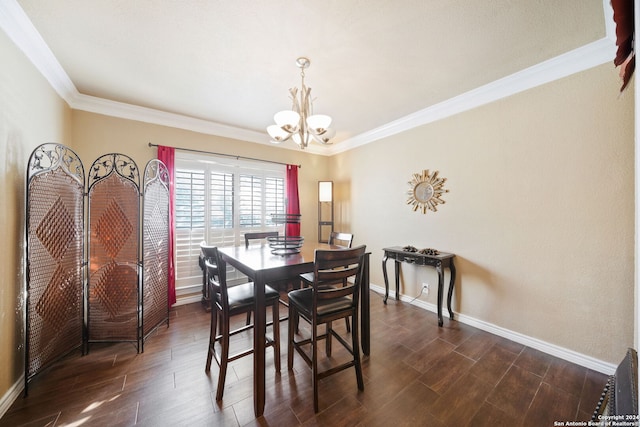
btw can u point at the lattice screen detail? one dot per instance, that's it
(114, 213)
(155, 250)
(55, 210)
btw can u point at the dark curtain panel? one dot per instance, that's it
(293, 202)
(623, 16)
(167, 156)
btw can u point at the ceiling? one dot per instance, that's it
(229, 64)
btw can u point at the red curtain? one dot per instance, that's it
(293, 202)
(167, 156)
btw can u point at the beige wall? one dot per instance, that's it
(540, 211)
(31, 113)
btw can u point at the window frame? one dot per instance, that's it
(187, 243)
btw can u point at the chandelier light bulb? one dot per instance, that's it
(277, 133)
(319, 122)
(287, 118)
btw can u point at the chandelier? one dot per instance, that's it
(299, 123)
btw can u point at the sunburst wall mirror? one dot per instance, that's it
(426, 191)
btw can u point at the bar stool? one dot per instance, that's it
(230, 301)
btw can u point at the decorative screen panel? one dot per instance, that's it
(121, 303)
(55, 211)
(114, 212)
(155, 246)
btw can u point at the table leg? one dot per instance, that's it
(452, 283)
(397, 265)
(365, 309)
(259, 341)
(386, 278)
(440, 291)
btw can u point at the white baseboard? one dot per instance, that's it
(552, 349)
(187, 299)
(11, 395)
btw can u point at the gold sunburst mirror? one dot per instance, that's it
(426, 191)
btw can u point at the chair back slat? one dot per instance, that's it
(214, 285)
(335, 293)
(217, 278)
(335, 266)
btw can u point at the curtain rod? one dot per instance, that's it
(225, 155)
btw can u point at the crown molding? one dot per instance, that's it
(21, 31)
(577, 60)
(24, 35)
(150, 115)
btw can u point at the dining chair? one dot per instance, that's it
(262, 235)
(344, 240)
(227, 302)
(319, 304)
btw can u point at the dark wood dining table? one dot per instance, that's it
(261, 266)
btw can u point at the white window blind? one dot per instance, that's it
(217, 201)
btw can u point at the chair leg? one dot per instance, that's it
(346, 319)
(328, 340)
(355, 344)
(276, 335)
(212, 336)
(291, 336)
(296, 323)
(224, 356)
(314, 365)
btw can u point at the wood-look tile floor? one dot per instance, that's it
(417, 375)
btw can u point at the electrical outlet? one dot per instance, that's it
(425, 287)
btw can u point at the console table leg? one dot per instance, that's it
(386, 278)
(440, 292)
(397, 265)
(452, 283)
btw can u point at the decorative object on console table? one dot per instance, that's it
(411, 255)
(425, 191)
(325, 203)
(284, 245)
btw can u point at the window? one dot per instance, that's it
(218, 200)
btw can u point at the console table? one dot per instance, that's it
(440, 262)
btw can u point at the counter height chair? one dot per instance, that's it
(227, 302)
(344, 240)
(321, 304)
(263, 235)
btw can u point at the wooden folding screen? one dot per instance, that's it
(108, 285)
(54, 228)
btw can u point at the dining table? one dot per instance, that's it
(262, 266)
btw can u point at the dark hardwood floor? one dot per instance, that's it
(417, 375)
